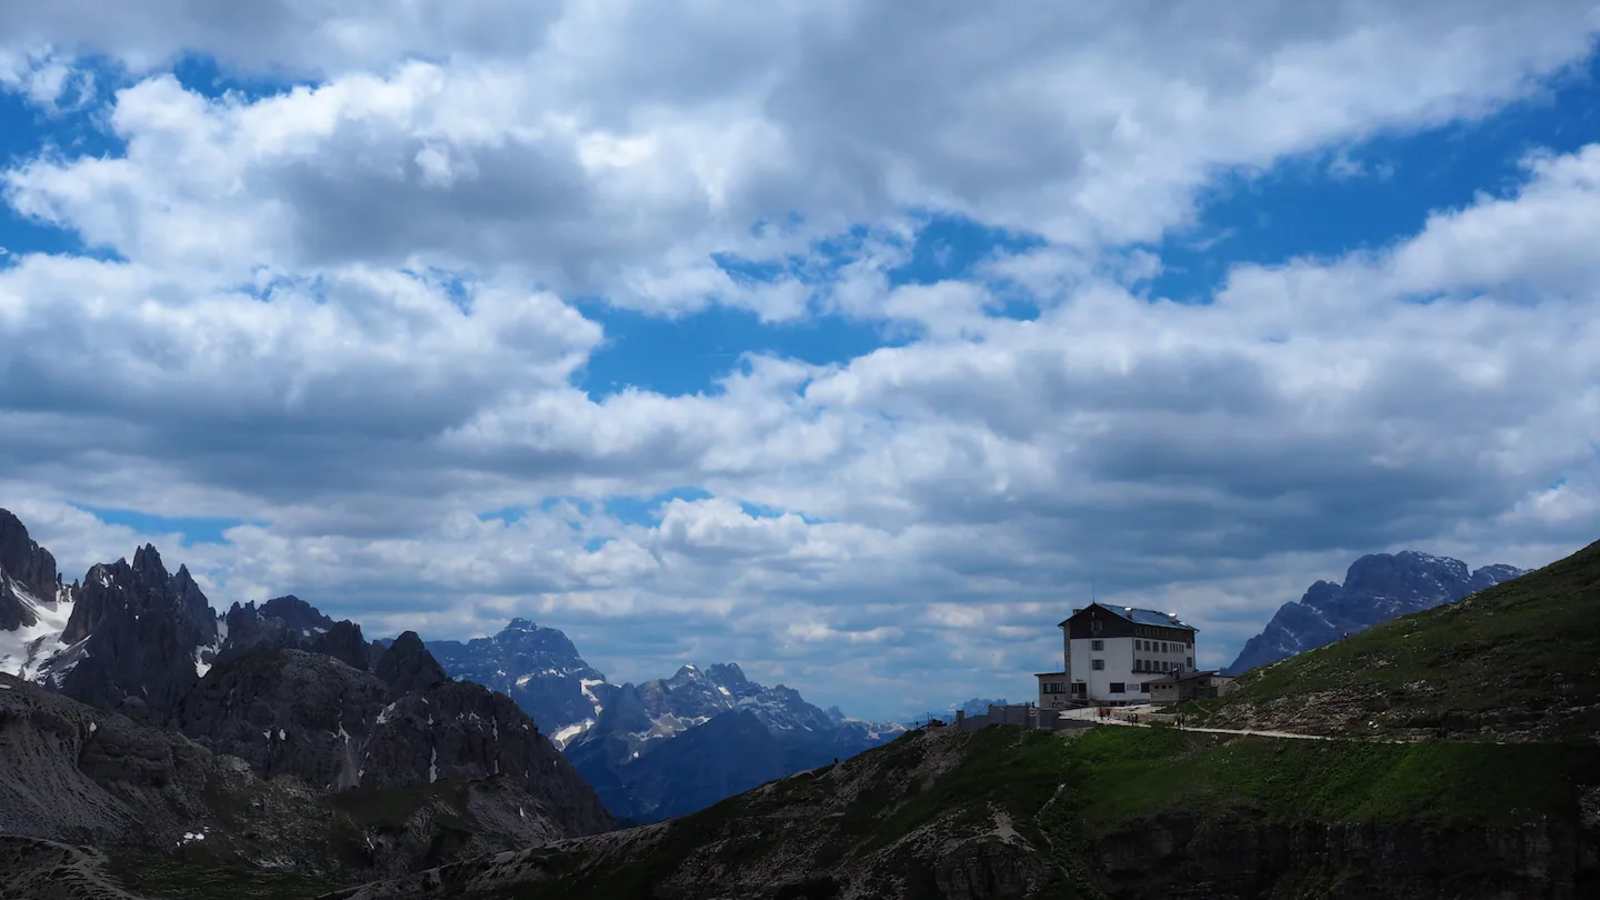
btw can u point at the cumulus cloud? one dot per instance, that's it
(343, 313)
(602, 158)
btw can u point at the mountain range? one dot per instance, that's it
(134, 717)
(137, 640)
(1377, 588)
(662, 747)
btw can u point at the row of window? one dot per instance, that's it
(1151, 646)
(1054, 687)
(1147, 665)
(1118, 687)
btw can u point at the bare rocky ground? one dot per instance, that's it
(46, 870)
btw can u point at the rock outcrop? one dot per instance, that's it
(406, 665)
(25, 569)
(1377, 588)
(335, 727)
(287, 712)
(34, 604)
(136, 638)
(291, 623)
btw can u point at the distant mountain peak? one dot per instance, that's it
(519, 624)
(1377, 587)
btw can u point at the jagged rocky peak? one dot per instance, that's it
(522, 634)
(408, 666)
(34, 605)
(1377, 587)
(147, 563)
(295, 613)
(136, 638)
(289, 622)
(116, 590)
(24, 561)
(726, 674)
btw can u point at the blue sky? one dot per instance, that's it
(857, 381)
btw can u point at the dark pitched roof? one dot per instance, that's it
(1137, 616)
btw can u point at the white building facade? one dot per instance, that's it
(1110, 654)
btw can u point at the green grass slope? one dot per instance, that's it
(1518, 662)
(1107, 812)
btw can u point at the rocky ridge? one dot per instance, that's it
(661, 747)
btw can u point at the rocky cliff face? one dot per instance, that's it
(34, 604)
(82, 775)
(27, 575)
(335, 727)
(136, 638)
(1377, 588)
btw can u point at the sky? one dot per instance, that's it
(854, 342)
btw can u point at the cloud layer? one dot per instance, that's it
(340, 308)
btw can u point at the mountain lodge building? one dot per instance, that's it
(1111, 654)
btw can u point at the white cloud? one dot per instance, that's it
(318, 319)
(601, 156)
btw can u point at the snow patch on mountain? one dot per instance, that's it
(23, 651)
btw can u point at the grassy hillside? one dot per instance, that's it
(1005, 812)
(1520, 661)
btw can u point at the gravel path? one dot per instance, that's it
(1120, 716)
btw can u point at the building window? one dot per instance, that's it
(1144, 687)
(1095, 627)
(1116, 687)
(1097, 645)
(1097, 665)
(1189, 662)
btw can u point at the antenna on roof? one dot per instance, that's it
(1091, 592)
